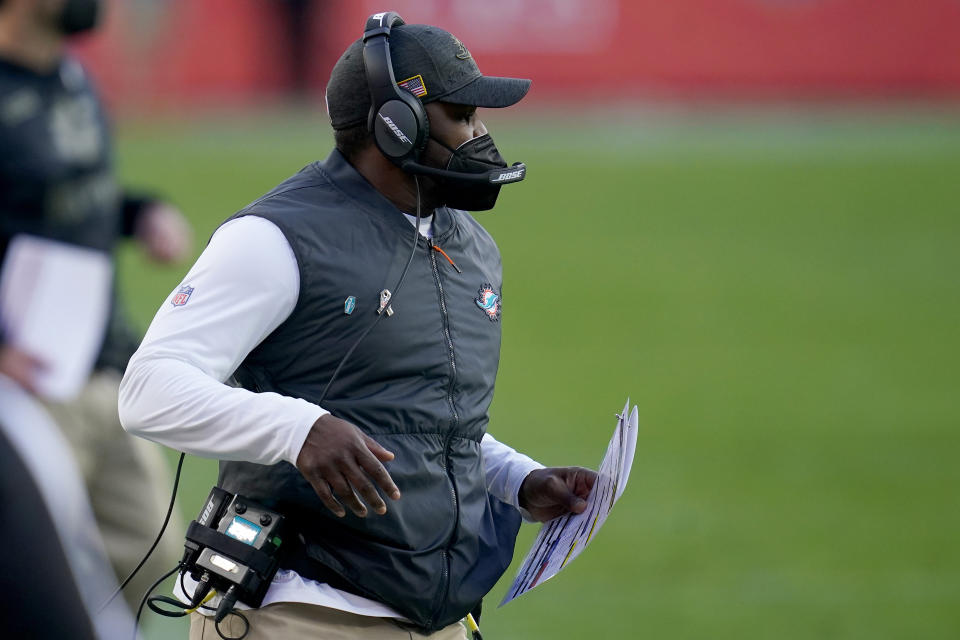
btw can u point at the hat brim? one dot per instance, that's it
(489, 91)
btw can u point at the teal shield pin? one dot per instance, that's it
(349, 305)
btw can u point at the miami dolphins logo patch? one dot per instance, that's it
(489, 301)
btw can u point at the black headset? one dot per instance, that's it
(397, 119)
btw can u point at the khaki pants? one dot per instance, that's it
(129, 483)
(297, 621)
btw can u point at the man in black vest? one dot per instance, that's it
(57, 181)
(357, 309)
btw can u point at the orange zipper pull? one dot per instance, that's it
(444, 254)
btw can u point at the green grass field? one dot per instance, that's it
(779, 294)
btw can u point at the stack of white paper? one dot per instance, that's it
(54, 305)
(564, 538)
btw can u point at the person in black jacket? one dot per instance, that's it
(363, 343)
(57, 181)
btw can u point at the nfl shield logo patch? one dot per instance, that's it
(182, 295)
(489, 302)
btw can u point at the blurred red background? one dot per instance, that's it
(185, 52)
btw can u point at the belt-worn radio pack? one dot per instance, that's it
(232, 547)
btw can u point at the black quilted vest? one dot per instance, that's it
(420, 384)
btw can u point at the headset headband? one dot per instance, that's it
(397, 119)
(376, 56)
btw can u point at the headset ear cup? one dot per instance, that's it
(397, 120)
(400, 128)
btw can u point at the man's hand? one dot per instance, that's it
(164, 233)
(20, 367)
(549, 493)
(339, 461)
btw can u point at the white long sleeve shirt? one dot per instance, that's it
(243, 286)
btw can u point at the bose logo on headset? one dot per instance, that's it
(509, 175)
(395, 129)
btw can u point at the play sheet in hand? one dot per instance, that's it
(564, 538)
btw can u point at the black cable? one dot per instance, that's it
(183, 587)
(180, 608)
(180, 611)
(163, 528)
(246, 623)
(396, 289)
(146, 596)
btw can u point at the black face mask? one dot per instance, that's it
(78, 16)
(477, 155)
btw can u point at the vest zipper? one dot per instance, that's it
(445, 553)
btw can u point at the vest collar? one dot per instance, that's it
(354, 186)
